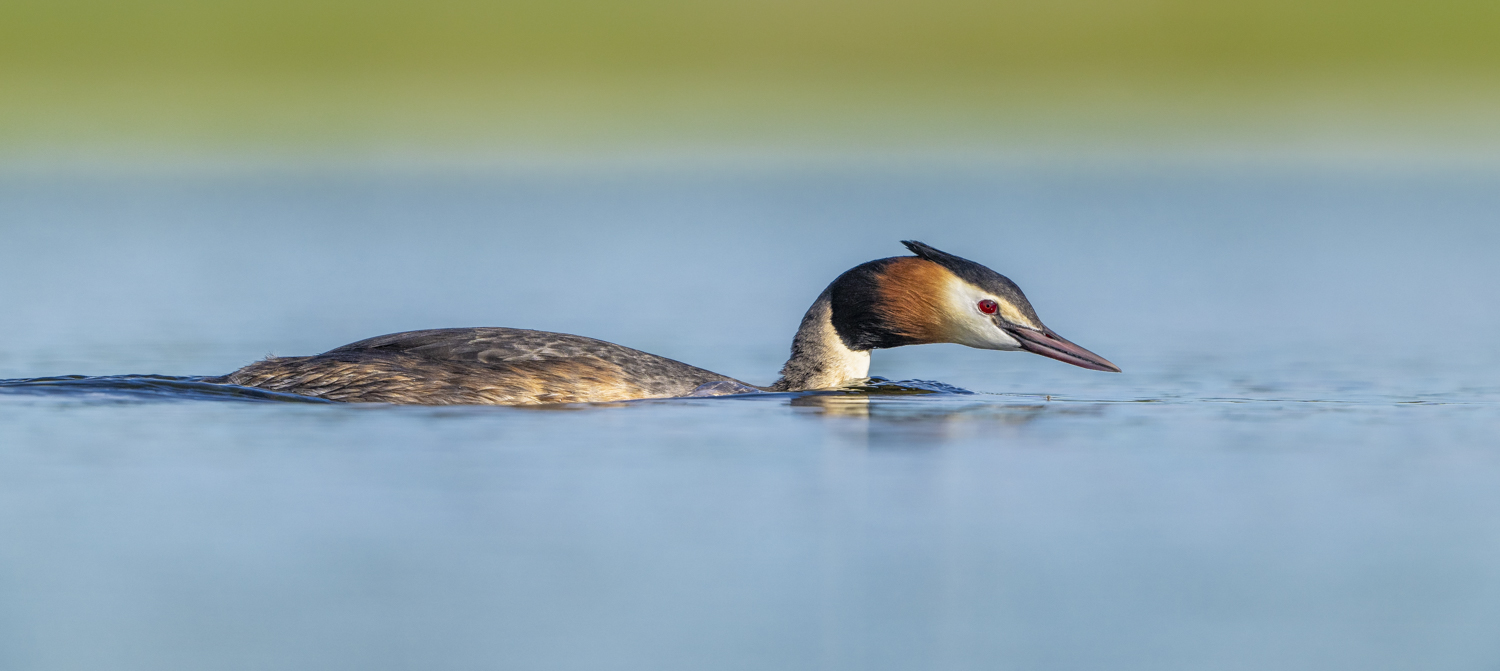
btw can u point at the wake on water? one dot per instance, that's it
(194, 388)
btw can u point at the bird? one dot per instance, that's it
(930, 297)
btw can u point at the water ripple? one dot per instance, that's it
(144, 388)
(158, 388)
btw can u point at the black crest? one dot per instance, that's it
(933, 254)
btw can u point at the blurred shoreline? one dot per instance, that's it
(466, 80)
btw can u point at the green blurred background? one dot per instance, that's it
(461, 75)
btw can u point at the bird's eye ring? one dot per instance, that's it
(988, 306)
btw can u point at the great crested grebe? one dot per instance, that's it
(933, 297)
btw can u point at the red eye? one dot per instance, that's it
(988, 306)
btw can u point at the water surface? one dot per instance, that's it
(1298, 468)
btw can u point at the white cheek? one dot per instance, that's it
(969, 327)
(983, 334)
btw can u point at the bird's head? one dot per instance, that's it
(936, 297)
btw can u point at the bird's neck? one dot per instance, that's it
(820, 359)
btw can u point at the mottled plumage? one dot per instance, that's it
(908, 300)
(498, 366)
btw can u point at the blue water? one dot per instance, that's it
(1298, 469)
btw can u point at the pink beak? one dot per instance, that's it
(1051, 345)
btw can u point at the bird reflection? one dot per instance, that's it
(895, 422)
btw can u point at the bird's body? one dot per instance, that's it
(931, 297)
(494, 366)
